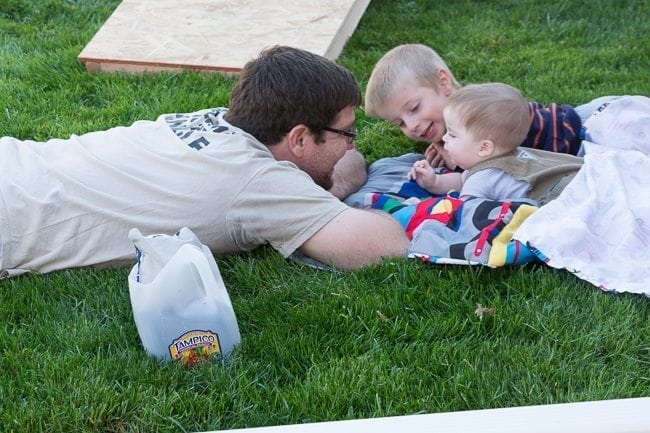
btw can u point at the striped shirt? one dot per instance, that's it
(555, 128)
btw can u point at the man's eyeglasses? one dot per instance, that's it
(350, 135)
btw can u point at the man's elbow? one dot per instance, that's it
(352, 254)
(373, 257)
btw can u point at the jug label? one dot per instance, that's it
(193, 346)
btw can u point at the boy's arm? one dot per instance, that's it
(356, 238)
(350, 173)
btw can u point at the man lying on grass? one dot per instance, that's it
(270, 169)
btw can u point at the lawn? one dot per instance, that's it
(397, 338)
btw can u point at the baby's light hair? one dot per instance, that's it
(404, 62)
(492, 111)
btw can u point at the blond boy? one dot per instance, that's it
(410, 85)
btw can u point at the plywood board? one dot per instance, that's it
(216, 35)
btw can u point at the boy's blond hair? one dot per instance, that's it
(404, 62)
(493, 111)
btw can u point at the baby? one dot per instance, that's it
(485, 125)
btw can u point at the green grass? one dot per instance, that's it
(392, 339)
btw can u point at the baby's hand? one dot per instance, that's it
(419, 169)
(424, 175)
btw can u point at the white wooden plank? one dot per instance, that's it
(216, 35)
(604, 416)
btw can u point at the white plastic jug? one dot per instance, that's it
(180, 303)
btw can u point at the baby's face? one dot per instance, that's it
(461, 145)
(416, 110)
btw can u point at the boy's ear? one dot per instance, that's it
(446, 84)
(486, 148)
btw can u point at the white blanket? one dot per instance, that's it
(599, 227)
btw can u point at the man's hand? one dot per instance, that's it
(350, 173)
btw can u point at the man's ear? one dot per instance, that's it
(297, 140)
(446, 84)
(486, 148)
